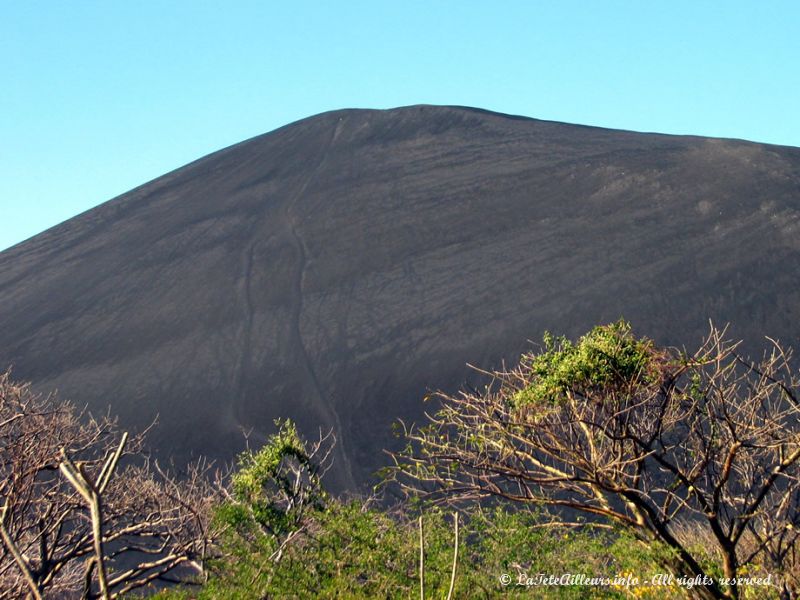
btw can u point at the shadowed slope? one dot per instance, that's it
(333, 270)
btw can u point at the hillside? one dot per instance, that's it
(334, 270)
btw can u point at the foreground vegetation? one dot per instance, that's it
(282, 536)
(644, 472)
(655, 441)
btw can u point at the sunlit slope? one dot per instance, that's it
(334, 270)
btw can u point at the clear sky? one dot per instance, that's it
(99, 97)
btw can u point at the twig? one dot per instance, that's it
(12, 547)
(455, 557)
(421, 562)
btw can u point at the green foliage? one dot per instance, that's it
(274, 487)
(259, 469)
(285, 538)
(352, 551)
(527, 543)
(609, 355)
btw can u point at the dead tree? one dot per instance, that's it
(94, 535)
(652, 439)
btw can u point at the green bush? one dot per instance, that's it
(350, 550)
(609, 355)
(355, 552)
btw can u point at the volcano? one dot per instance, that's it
(337, 269)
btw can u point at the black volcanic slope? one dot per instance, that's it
(334, 270)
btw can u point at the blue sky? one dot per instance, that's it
(99, 97)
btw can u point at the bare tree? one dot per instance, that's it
(57, 540)
(652, 439)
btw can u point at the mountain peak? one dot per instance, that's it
(335, 270)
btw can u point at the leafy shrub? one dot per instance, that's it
(607, 355)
